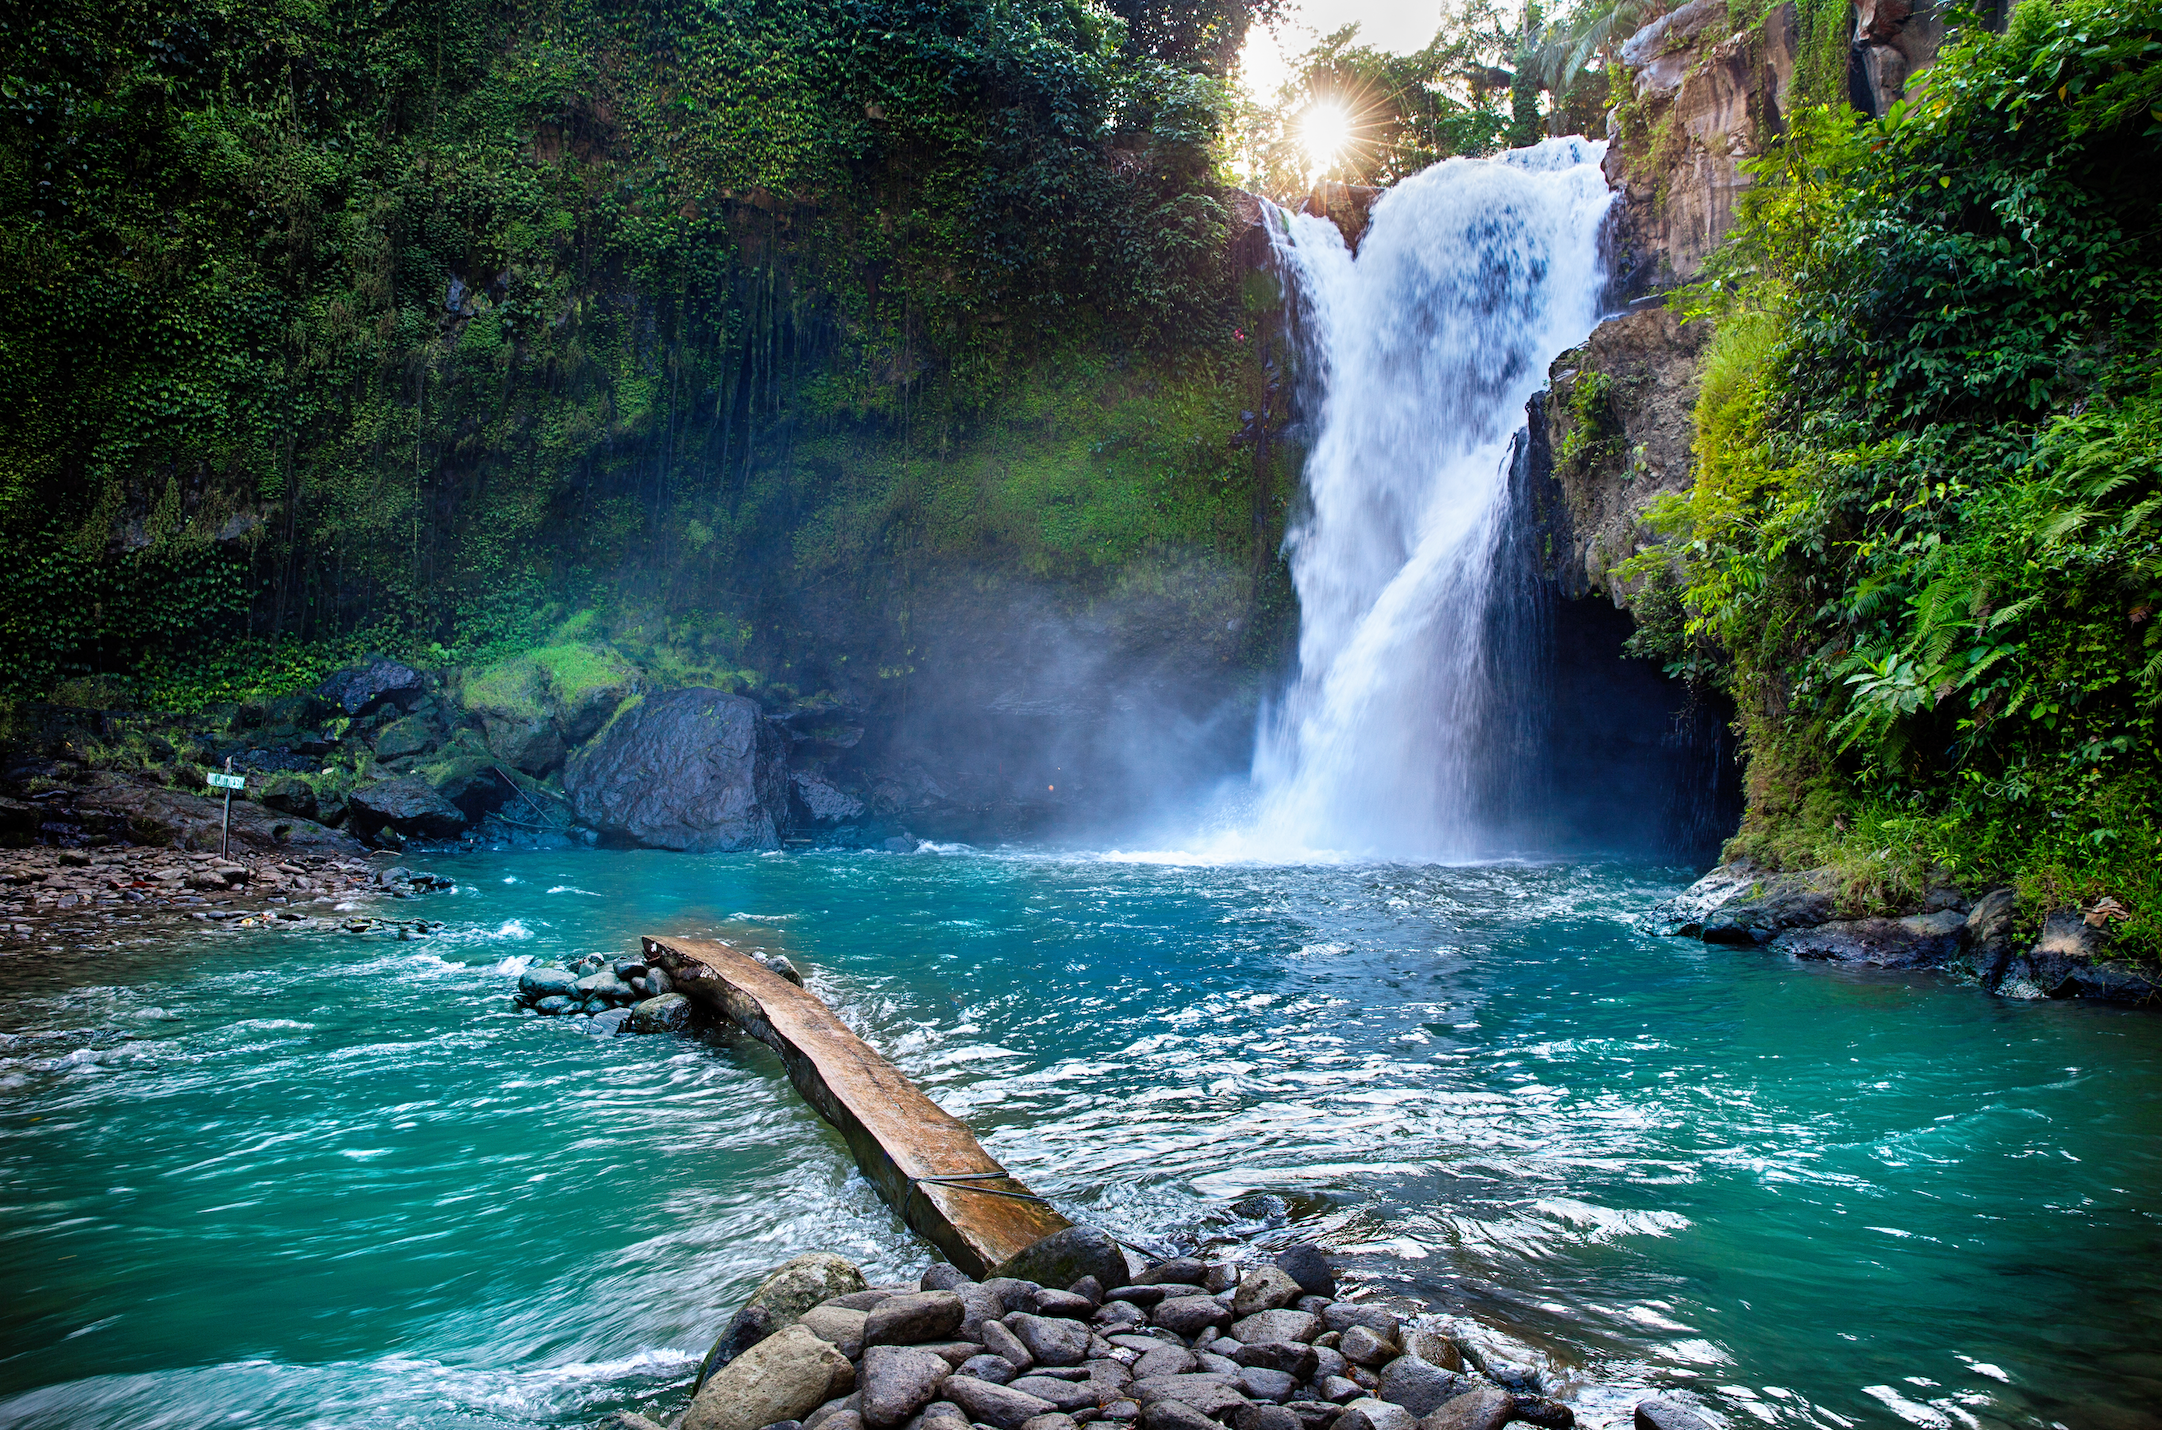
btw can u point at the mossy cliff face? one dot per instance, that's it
(1911, 538)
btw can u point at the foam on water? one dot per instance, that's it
(349, 1185)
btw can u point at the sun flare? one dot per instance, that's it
(1324, 131)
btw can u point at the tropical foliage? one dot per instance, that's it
(1927, 524)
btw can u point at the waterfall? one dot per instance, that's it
(1396, 737)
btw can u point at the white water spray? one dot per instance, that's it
(1472, 276)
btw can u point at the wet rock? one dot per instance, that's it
(1173, 1415)
(785, 1376)
(1276, 1326)
(1367, 1413)
(1057, 1420)
(414, 735)
(364, 688)
(1417, 1386)
(1481, 1409)
(841, 1327)
(1363, 1345)
(1264, 1288)
(1660, 1414)
(289, 794)
(1116, 1315)
(1065, 1395)
(943, 1276)
(1343, 1315)
(555, 1005)
(1050, 1341)
(1178, 1271)
(999, 1340)
(1140, 1295)
(822, 801)
(1298, 1361)
(693, 770)
(1269, 1417)
(1306, 1265)
(793, 1288)
(536, 983)
(913, 1318)
(669, 1013)
(999, 1406)
(1543, 1412)
(1064, 1257)
(1209, 1394)
(532, 746)
(1164, 1360)
(603, 985)
(1339, 1389)
(1064, 1304)
(994, 1368)
(1189, 1316)
(610, 1023)
(896, 1382)
(1434, 1348)
(1262, 1383)
(407, 806)
(1920, 941)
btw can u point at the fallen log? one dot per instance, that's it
(924, 1162)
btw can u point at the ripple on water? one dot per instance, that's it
(340, 1182)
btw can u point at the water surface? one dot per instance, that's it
(322, 1179)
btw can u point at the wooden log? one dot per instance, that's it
(900, 1138)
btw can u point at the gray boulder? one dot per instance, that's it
(1000, 1406)
(532, 746)
(693, 770)
(1367, 1413)
(1481, 1409)
(538, 983)
(669, 1013)
(838, 1325)
(407, 806)
(1188, 1316)
(1276, 1326)
(1668, 1415)
(1921, 941)
(1418, 1386)
(1306, 1265)
(914, 1318)
(1210, 1393)
(780, 1301)
(362, 688)
(290, 794)
(822, 801)
(1066, 1395)
(1051, 1341)
(784, 1377)
(898, 1381)
(1264, 1288)
(1065, 1257)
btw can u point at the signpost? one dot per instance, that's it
(228, 781)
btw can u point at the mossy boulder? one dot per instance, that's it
(536, 705)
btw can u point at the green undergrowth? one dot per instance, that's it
(1924, 530)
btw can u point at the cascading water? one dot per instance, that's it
(1425, 346)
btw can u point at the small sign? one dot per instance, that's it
(218, 781)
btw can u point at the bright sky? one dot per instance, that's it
(1399, 25)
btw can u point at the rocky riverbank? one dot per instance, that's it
(101, 893)
(1047, 1344)
(1986, 939)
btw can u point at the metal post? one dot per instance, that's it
(225, 835)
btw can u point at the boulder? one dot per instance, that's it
(1210, 1393)
(1668, 1415)
(1066, 1395)
(822, 801)
(1341, 1316)
(1065, 1257)
(1922, 941)
(999, 1406)
(914, 1318)
(1264, 1288)
(785, 1376)
(1367, 1413)
(693, 770)
(1300, 1362)
(1481, 1409)
(1050, 1341)
(1306, 1265)
(414, 735)
(669, 1013)
(1172, 1415)
(290, 794)
(362, 688)
(537, 983)
(1363, 1345)
(1546, 1413)
(1188, 1316)
(532, 747)
(406, 806)
(1276, 1326)
(153, 814)
(897, 1381)
(793, 1288)
(1178, 1271)
(1418, 1386)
